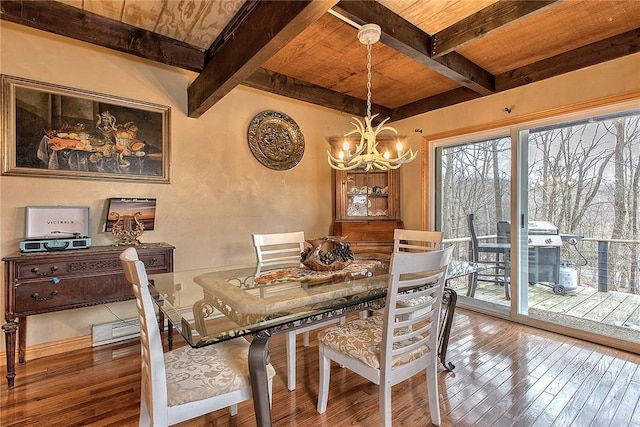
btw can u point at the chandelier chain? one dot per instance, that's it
(369, 79)
(367, 154)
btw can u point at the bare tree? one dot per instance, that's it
(584, 177)
(570, 174)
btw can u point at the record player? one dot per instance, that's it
(56, 228)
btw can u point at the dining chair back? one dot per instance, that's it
(391, 348)
(416, 240)
(277, 250)
(186, 382)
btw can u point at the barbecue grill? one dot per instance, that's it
(544, 242)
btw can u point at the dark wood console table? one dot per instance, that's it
(44, 282)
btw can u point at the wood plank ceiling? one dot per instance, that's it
(433, 53)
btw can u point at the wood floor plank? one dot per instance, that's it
(594, 404)
(519, 395)
(612, 401)
(562, 388)
(628, 403)
(524, 396)
(635, 418)
(506, 375)
(501, 373)
(586, 387)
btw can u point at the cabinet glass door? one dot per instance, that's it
(367, 194)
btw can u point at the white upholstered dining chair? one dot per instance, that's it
(391, 348)
(416, 240)
(186, 382)
(278, 250)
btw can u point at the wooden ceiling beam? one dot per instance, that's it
(290, 87)
(595, 53)
(435, 102)
(69, 21)
(265, 29)
(482, 23)
(408, 39)
(612, 48)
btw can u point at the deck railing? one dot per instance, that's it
(605, 264)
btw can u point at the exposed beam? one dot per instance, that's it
(435, 102)
(69, 21)
(482, 23)
(605, 50)
(465, 72)
(406, 38)
(264, 30)
(292, 88)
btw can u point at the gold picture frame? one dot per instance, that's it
(60, 132)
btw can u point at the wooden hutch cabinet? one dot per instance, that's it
(367, 209)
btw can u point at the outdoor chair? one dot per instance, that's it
(496, 254)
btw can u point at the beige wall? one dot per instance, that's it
(219, 194)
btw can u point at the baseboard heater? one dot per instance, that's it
(108, 333)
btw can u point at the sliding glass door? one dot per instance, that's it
(571, 189)
(474, 197)
(583, 195)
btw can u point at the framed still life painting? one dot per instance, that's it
(56, 131)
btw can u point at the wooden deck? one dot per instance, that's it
(616, 312)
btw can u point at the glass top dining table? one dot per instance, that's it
(210, 305)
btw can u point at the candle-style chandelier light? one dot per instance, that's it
(366, 154)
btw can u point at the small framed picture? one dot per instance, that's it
(119, 209)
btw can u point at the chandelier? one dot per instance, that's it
(366, 154)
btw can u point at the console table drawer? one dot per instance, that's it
(43, 296)
(78, 266)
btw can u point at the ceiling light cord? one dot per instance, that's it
(369, 79)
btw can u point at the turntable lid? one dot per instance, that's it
(57, 222)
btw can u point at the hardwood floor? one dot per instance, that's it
(506, 375)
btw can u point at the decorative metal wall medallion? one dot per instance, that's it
(275, 140)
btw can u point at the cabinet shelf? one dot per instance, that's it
(371, 196)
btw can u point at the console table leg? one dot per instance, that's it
(22, 340)
(161, 321)
(258, 360)
(10, 341)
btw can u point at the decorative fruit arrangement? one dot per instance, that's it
(337, 258)
(101, 146)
